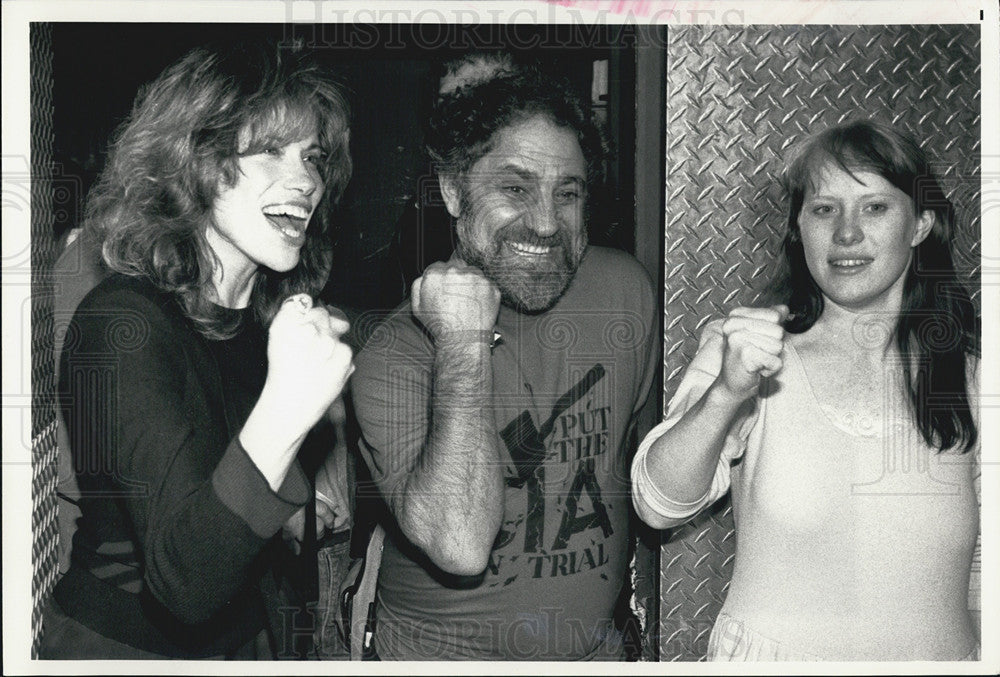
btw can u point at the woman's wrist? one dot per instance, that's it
(269, 440)
(284, 406)
(722, 398)
(466, 337)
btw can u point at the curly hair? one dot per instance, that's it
(937, 327)
(463, 124)
(181, 143)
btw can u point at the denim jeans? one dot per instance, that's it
(333, 562)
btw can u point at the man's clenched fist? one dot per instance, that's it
(454, 297)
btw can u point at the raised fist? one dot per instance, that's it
(308, 364)
(753, 341)
(454, 297)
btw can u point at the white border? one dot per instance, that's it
(16, 342)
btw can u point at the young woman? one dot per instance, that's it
(190, 377)
(841, 419)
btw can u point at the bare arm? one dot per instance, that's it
(452, 503)
(681, 462)
(308, 367)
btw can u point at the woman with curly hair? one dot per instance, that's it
(841, 419)
(191, 375)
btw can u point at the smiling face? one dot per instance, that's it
(858, 233)
(520, 211)
(261, 219)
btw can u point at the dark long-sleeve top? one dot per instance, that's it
(175, 540)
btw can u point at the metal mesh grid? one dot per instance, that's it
(44, 525)
(737, 99)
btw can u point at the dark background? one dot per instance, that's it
(391, 223)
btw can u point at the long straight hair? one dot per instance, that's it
(937, 328)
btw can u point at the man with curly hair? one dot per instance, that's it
(496, 402)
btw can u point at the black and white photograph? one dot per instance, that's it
(550, 331)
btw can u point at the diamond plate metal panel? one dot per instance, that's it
(737, 99)
(44, 525)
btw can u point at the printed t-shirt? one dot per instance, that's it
(566, 384)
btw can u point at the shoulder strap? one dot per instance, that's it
(363, 605)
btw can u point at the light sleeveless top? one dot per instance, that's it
(854, 538)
